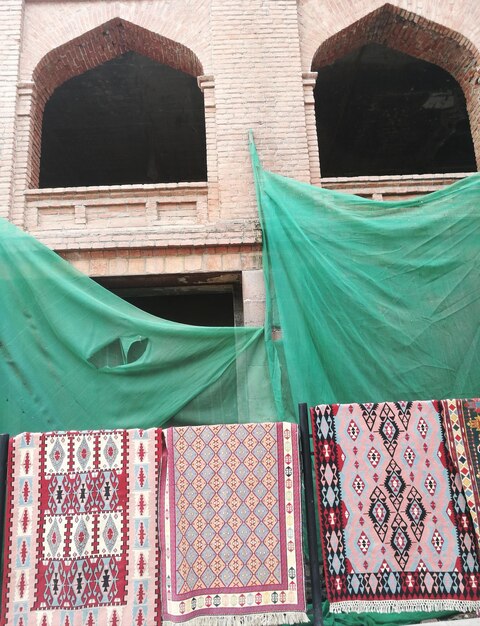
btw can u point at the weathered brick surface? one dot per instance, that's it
(11, 22)
(256, 63)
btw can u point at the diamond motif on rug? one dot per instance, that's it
(234, 531)
(88, 528)
(408, 505)
(416, 513)
(400, 541)
(358, 485)
(379, 512)
(437, 541)
(374, 457)
(353, 430)
(369, 413)
(363, 543)
(395, 484)
(409, 456)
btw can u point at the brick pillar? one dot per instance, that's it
(472, 98)
(207, 86)
(258, 86)
(23, 143)
(253, 287)
(11, 22)
(309, 80)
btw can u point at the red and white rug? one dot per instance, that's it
(81, 535)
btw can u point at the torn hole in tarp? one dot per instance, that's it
(120, 351)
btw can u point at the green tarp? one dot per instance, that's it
(75, 356)
(373, 301)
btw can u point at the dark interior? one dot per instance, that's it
(381, 112)
(199, 309)
(128, 121)
(210, 299)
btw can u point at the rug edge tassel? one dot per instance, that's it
(399, 606)
(256, 619)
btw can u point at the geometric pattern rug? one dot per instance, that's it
(462, 427)
(396, 531)
(231, 542)
(82, 536)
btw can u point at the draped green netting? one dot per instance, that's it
(375, 301)
(371, 301)
(75, 356)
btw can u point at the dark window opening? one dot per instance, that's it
(196, 303)
(128, 121)
(382, 112)
(199, 309)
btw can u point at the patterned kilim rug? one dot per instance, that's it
(462, 427)
(396, 532)
(231, 550)
(81, 538)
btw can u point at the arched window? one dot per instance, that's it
(396, 94)
(130, 120)
(382, 112)
(118, 105)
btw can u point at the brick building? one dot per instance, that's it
(123, 127)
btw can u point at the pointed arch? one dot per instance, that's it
(104, 43)
(409, 33)
(91, 49)
(418, 37)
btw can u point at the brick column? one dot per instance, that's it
(309, 80)
(11, 22)
(23, 152)
(253, 287)
(207, 86)
(472, 99)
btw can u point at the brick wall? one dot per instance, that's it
(11, 22)
(256, 63)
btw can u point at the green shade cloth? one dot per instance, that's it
(375, 301)
(75, 356)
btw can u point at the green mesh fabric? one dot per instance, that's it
(371, 301)
(75, 356)
(375, 301)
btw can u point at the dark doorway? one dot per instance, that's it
(128, 121)
(381, 112)
(198, 309)
(195, 299)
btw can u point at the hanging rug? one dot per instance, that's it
(81, 536)
(396, 531)
(231, 545)
(462, 427)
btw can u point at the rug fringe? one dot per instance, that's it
(399, 606)
(256, 619)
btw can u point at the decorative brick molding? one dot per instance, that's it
(116, 207)
(91, 49)
(392, 188)
(166, 260)
(419, 37)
